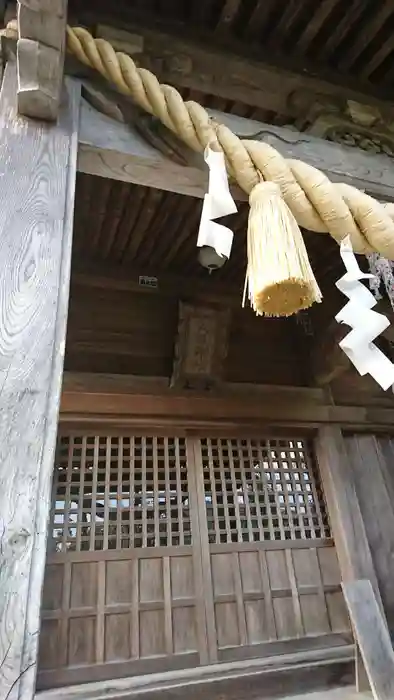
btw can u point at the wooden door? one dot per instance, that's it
(271, 576)
(123, 587)
(168, 553)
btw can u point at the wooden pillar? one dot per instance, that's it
(37, 168)
(347, 525)
(40, 52)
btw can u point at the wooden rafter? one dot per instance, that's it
(187, 63)
(40, 53)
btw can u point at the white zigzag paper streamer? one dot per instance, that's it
(366, 324)
(217, 202)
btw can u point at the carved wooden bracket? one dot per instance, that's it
(40, 56)
(363, 126)
(201, 347)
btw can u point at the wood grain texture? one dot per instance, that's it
(372, 467)
(347, 525)
(113, 150)
(40, 55)
(253, 679)
(373, 637)
(216, 66)
(281, 406)
(38, 165)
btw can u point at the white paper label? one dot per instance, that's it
(366, 324)
(217, 202)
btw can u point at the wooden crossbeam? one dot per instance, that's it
(40, 53)
(116, 151)
(38, 169)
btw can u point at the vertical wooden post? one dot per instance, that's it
(37, 177)
(354, 554)
(355, 559)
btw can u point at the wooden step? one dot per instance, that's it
(372, 636)
(256, 679)
(348, 693)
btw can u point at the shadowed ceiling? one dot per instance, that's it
(345, 41)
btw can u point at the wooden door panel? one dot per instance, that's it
(296, 604)
(167, 553)
(138, 609)
(273, 577)
(122, 593)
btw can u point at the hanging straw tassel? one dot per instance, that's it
(279, 278)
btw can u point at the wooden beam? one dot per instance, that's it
(124, 401)
(372, 636)
(38, 168)
(224, 70)
(347, 525)
(113, 150)
(40, 54)
(269, 676)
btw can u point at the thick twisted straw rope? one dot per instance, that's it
(317, 204)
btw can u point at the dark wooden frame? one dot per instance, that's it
(38, 185)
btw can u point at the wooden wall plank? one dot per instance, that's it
(368, 466)
(195, 461)
(347, 525)
(38, 166)
(372, 636)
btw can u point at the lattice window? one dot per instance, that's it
(262, 490)
(119, 493)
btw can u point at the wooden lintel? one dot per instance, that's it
(124, 401)
(38, 170)
(113, 150)
(40, 54)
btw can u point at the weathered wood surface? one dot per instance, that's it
(252, 679)
(372, 636)
(38, 166)
(113, 150)
(101, 400)
(139, 338)
(185, 62)
(346, 520)
(40, 53)
(372, 467)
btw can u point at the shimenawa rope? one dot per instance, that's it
(316, 203)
